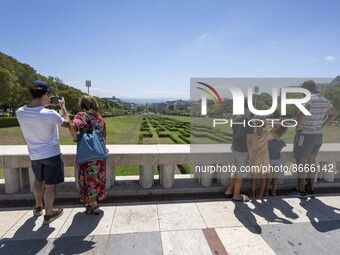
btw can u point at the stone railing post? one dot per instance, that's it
(146, 176)
(24, 177)
(204, 176)
(224, 178)
(167, 176)
(12, 180)
(206, 179)
(110, 176)
(328, 170)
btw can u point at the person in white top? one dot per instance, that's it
(39, 126)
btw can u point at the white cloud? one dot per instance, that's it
(330, 58)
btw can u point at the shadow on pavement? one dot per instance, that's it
(331, 212)
(25, 240)
(264, 209)
(77, 239)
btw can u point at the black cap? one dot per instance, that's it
(40, 85)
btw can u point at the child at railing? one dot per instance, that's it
(275, 146)
(261, 160)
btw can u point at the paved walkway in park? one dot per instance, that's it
(280, 225)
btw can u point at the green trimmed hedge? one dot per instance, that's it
(9, 122)
(185, 139)
(184, 169)
(142, 135)
(211, 137)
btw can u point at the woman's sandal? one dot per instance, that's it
(244, 198)
(228, 195)
(88, 209)
(96, 210)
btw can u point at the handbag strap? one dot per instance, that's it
(91, 123)
(90, 120)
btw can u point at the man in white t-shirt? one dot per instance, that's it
(39, 126)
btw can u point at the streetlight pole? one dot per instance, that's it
(88, 85)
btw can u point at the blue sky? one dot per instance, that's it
(151, 49)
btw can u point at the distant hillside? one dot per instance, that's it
(15, 78)
(143, 101)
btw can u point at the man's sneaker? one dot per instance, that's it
(310, 192)
(56, 213)
(296, 193)
(37, 211)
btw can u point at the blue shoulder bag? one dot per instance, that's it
(90, 146)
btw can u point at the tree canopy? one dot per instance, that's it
(15, 78)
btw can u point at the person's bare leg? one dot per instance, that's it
(253, 185)
(230, 189)
(311, 175)
(268, 182)
(95, 208)
(275, 182)
(237, 188)
(50, 191)
(94, 204)
(263, 184)
(38, 191)
(301, 175)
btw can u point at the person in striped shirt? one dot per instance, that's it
(308, 138)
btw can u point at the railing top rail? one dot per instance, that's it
(18, 150)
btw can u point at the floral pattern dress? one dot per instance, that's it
(91, 175)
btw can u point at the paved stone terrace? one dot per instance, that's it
(277, 225)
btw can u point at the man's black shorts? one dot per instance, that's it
(306, 145)
(50, 170)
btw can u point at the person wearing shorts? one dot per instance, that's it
(49, 170)
(308, 139)
(39, 126)
(242, 154)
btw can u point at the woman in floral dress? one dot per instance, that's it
(91, 175)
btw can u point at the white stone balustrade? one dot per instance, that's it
(15, 161)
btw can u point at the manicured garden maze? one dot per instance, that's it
(165, 127)
(168, 130)
(145, 130)
(180, 132)
(176, 131)
(205, 134)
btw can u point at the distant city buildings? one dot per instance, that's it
(119, 102)
(171, 105)
(157, 107)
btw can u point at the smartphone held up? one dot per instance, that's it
(55, 100)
